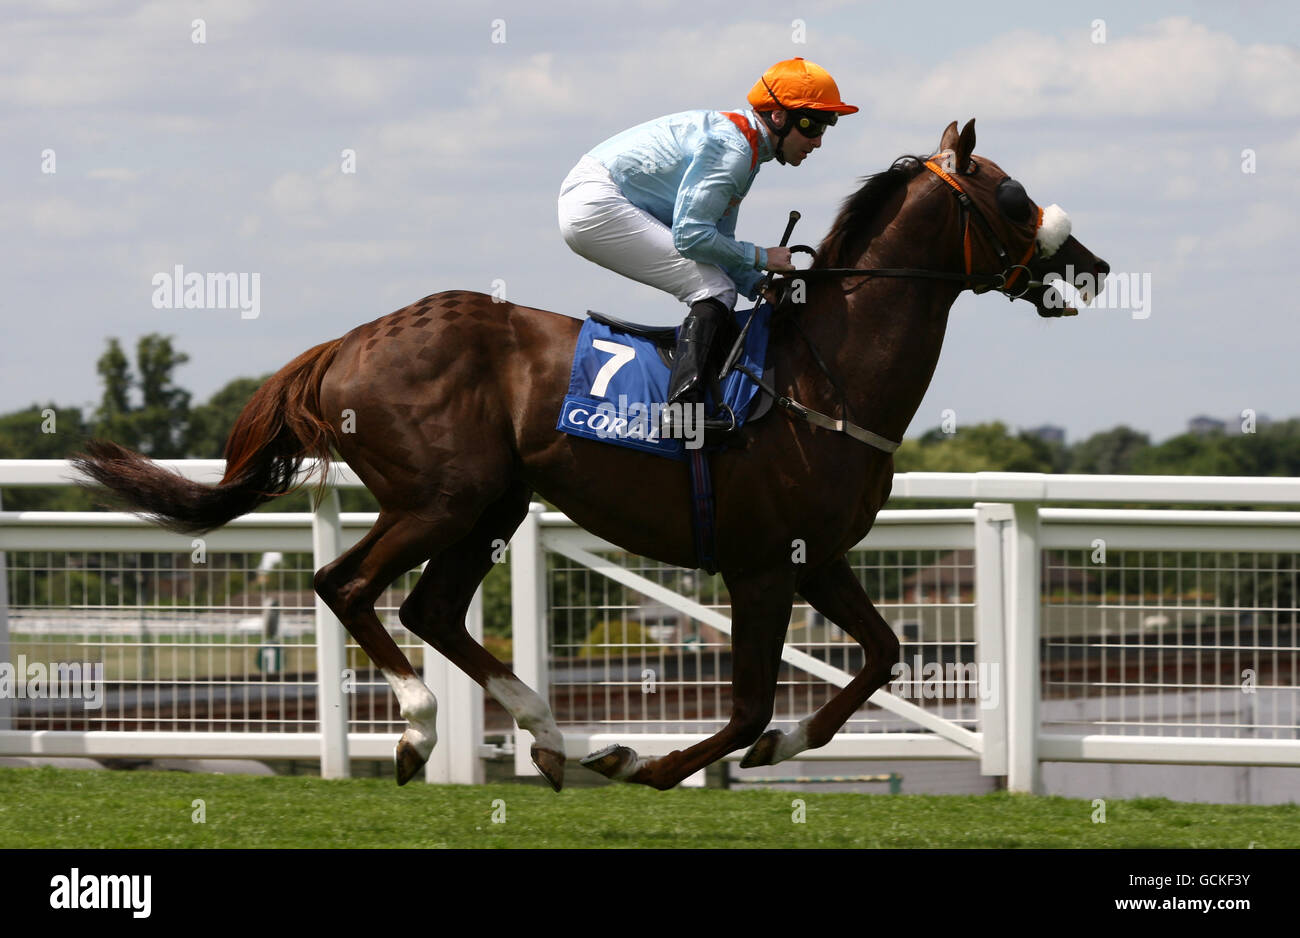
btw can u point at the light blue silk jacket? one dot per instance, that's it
(691, 170)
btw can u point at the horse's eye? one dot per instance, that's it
(1013, 201)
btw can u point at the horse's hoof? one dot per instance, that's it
(613, 762)
(763, 751)
(408, 760)
(551, 764)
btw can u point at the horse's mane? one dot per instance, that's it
(840, 247)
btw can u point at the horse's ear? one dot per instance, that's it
(949, 139)
(965, 144)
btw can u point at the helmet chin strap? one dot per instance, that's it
(779, 132)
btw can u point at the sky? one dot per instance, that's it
(1169, 131)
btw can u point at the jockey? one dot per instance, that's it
(658, 202)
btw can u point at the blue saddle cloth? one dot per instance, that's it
(619, 383)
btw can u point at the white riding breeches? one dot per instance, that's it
(600, 224)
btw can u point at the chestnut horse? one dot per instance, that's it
(455, 400)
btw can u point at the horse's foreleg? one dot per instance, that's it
(761, 615)
(835, 592)
(435, 610)
(350, 586)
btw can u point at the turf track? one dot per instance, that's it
(93, 809)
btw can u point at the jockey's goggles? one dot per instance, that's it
(813, 123)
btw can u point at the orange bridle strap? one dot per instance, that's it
(1029, 252)
(969, 209)
(956, 186)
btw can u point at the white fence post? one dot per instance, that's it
(528, 616)
(456, 758)
(991, 597)
(331, 646)
(1024, 565)
(6, 704)
(465, 706)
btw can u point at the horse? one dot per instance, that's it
(453, 402)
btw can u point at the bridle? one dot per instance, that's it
(1001, 281)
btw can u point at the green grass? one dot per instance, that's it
(49, 807)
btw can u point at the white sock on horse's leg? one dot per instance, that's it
(419, 708)
(528, 710)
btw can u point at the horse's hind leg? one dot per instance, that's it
(835, 592)
(350, 586)
(435, 610)
(761, 609)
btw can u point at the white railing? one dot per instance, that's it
(335, 731)
(1158, 636)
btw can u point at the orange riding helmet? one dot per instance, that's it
(796, 85)
(803, 88)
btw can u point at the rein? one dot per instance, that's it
(969, 212)
(1001, 282)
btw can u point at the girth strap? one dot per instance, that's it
(818, 419)
(702, 510)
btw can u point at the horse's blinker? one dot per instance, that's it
(1013, 201)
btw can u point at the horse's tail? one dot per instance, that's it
(278, 428)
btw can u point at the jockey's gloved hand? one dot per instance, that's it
(778, 259)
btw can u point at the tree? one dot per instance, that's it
(210, 423)
(1273, 450)
(981, 448)
(157, 427)
(165, 409)
(1111, 452)
(113, 418)
(1192, 455)
(43, 432)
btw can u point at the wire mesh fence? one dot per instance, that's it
(181, 642)
(1148, 642)
(1172, 643)
(1178, 643)
(620, 660)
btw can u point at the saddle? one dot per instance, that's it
(619, 381)
(665, 341)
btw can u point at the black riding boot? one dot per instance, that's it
(687, 381)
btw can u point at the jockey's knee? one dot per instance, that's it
(712, 284)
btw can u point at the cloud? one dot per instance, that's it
(1174, 67)
(114, 174)
(313, 199)
(61, 217)
(533, 85)
(225, 156)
